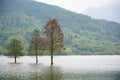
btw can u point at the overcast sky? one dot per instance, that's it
(79, 5)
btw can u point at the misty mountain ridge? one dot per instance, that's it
(83, 34)
(110, 12)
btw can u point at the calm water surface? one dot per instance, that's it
(65, 68)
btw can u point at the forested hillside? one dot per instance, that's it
(83, 34)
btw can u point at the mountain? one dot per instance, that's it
(109, 12)
(83, 34)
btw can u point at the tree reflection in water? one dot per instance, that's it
(47, 73)
(30, 72)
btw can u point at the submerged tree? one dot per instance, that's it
(54, 36)
(15, 48)
(36, 45)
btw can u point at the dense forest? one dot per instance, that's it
(83, 34)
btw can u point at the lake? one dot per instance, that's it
(65, 68)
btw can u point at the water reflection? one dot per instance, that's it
(11, 71)
(47, 73)
(30, 72)
(73, 68)
(53, 73)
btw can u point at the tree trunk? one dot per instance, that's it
(52, 51)
(36, 56)
(52, 47)
(51, 58)
(36, 59)
(15, 58)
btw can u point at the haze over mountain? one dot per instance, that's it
(109, 12)
(83, 34)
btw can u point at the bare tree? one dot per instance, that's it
(54, 36)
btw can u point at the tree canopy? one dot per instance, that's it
(54, 37)
(36, 45)
(15, 48)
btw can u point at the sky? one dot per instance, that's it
(79, 6)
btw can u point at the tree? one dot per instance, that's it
(54, 36)
(15, 48)
(36, 45)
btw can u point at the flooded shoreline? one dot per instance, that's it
(64, 68)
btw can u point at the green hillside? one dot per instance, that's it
(83, 35)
